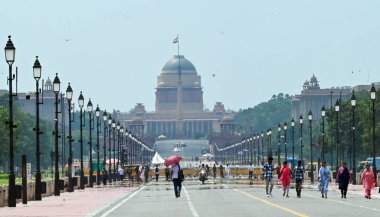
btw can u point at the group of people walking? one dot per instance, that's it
(324, 178)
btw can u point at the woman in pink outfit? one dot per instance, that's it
(285, 178)
(368, 179)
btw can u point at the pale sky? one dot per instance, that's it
(114, 50)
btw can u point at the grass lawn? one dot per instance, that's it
(5, 181)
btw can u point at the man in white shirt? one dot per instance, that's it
(121, 173)
(176, 181)
(250, 171)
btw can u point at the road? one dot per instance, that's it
(215, 199)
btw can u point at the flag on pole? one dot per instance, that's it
(175, 40)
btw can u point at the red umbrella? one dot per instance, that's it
(174, 159)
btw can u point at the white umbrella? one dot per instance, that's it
(207, 155)
(157, 159)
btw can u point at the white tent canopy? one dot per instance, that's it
(157, 159)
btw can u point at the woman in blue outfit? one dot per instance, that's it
(324, 179)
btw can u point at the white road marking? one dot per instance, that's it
(345, 203)
(123, 201)
(192, 209)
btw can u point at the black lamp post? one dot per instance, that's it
(118, 144)
(56, 89)
(69, 97)
(81, 104)
(262, 145)
(105, 118)
(114, 150)
(310, 116)
(121, 145)
(270, 142)
(37, 76)
(110, 177)
(279, 145)
(90, 109)
(97, 114)
(10, 52)
(286, 147)
(292, 123)
(301, 138)
(353, 104)
(373, 98)
(323, 114)
(337, 135)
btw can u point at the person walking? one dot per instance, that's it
(368, 181)
(299, 175)
(221, 169)
(175, 174)
(137, 172)
(228, 170)
(250, 171)
(142, 172)
(343, 178)
(207, 170)
(268, 176)
(167, 173)
(121, 173)
(285, 178)
(324, 179)
(146, 173)
(214, 171)
(157, 172)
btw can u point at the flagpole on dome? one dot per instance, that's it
(176, 41)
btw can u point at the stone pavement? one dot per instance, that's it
(85, 202)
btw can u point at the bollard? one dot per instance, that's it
(24, 181)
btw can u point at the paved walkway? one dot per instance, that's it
(79, 203)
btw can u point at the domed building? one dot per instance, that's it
(179, 111)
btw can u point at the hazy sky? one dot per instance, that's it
(114, 50)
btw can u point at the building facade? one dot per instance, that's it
(179, 111)
(313, 97)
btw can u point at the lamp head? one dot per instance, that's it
(97, 111)
(56, 84)
(353, 99)
(373, 92)
(90, 107)
(69, 93)
(37, 69)
(323, 111)
(10, 51)
(81, 100)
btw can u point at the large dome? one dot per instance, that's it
(172, 65)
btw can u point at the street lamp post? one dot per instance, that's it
(323, 114)
(121, 144)
(286, 147)
(90, 109)
(105, 117)
(279, 145)
(301, 138)
(373, 98)
(270, 142)
(118, 144)
(69, 97)
(310, 115)
(337, 135)
(292, 123)
(353, 104)
(97, 114)
(37, 76)
(10, 52)
(110, 176)
(262, 145)
(81, 104)
(56, 88)
(114, 150)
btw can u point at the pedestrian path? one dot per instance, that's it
(79, 203)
